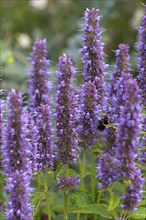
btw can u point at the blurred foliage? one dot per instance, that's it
(61, 23)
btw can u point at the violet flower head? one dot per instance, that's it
(128, 129)
(88, 119)
(1, 128)
(32, 138)
(15, 159)
(127, 140)
(92, 52)
(142, 59)
(68, 184)
(142, 151)
(44, 138)
(18, 206)
(133, 192)
(122, 66)
(120, 75)
(66, 113)
(39, 86)
(106, 171)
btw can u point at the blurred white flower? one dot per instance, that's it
(24, 40)
(38, 4)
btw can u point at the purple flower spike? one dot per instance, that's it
(15, 159)
(142, 59)
(44, 138)
(39, 87)
(66, 113)
(106, 171)
(1, 128)
(121, 74)
(88, 120)
(127, 140)
(92, 52)
(128, 129)
(133, 192)
(32, 138)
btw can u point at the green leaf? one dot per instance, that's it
(36, 200)
(139, 214)
(79, 199)
(142, 203)
(49, 175)
(114, 201)
(61, 172)
(93, 209)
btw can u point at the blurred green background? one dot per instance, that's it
(61, 23)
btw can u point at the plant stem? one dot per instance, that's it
(47, 197)
(93, 175)
(65, 194)
(82, 185)
(78, 216)
(99, 196)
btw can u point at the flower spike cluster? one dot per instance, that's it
(88, 119)
(142, 60)
(44, 138)
(66, 113)
(39, 86)
(15, 159)
(92, 52)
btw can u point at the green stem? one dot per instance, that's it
(93, 175)
(93, 178)
(78, 216)
(65, 194)
(47, 197)
(99, 196)
(82, 185)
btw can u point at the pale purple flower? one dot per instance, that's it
(142, 59)
(44, 138)
(92, 52)
(66, 113)
(39, 85)
(120, 75)
(126, 145)
(88, 119)
(15, 159)
(1, 128)
(68, 184)
(32, 138)
(133, 192)
(106, 171)
(128, 130)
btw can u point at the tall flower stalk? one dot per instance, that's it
(93, 67)
(15, 160)
(39, 86)
(126, 142)
(142, 59)
(92, 52)
(66, 124)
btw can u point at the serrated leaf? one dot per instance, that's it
(79, 199)
(139, 214)
(93, 209)
(114, 201)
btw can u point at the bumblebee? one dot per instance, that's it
(102, 123)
